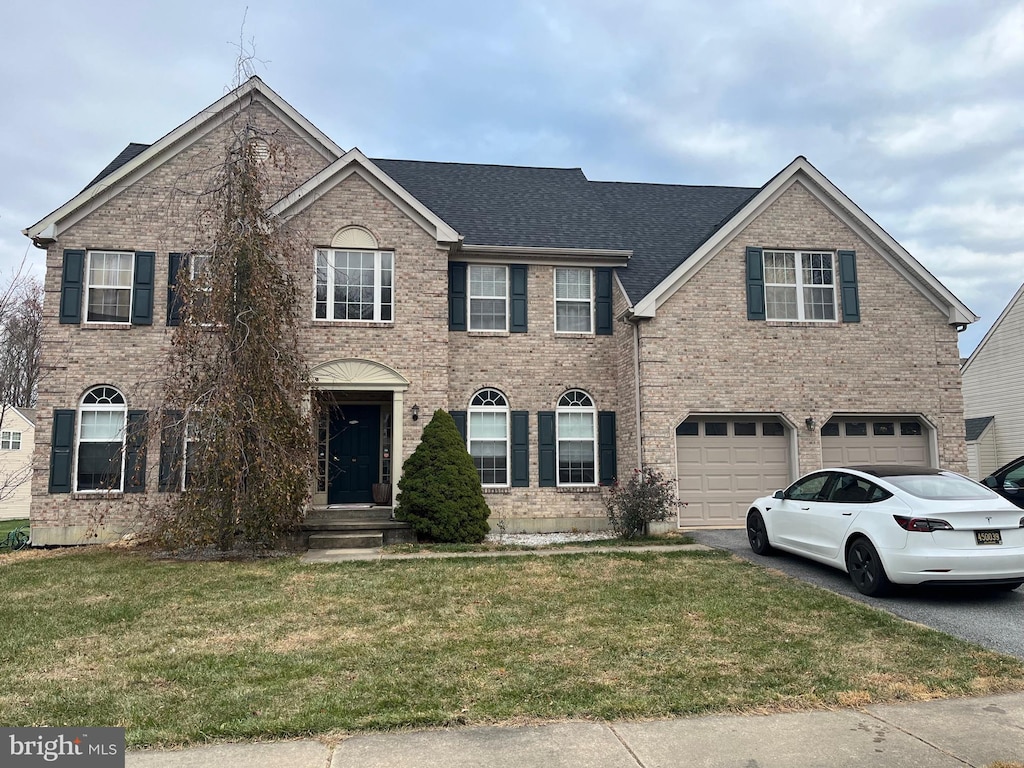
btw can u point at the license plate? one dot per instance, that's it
(988, 537)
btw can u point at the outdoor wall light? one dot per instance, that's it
(809, 421)
(415, 413)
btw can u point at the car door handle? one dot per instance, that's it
(804, 509)
(847, 514)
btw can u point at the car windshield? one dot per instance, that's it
(941, 486)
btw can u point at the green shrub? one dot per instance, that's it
(440, 493)
(647, 496)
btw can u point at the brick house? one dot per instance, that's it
(732, 338)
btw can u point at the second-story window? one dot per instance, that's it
(574, 305)
(354, 285)
(799, 285)
(488, 298)
(108, 287)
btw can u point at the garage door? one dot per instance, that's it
(850, 440)
(724, 463)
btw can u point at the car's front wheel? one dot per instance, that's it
(757, 533)
(866, 570)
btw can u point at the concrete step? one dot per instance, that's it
(351, 526)
(363, 540)
(327, 515)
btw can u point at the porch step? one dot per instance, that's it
(362, 540)
(320, 515)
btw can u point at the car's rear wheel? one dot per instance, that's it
(1007, 587)
(757, 533)
(866, 569)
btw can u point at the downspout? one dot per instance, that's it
(636, 393)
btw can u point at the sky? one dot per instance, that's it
(913, 108)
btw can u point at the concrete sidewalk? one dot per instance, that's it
(951, 732)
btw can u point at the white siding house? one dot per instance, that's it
(993, 386)
(17, 444)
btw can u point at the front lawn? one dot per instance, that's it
(6, 526)
(181, 652)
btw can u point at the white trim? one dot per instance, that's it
(546, 255)
(356, 162)
(802, 172)
(992, 329)
(470, 297)
(592, 303)
(88, 200)
(121, 408)
(89, 288)
(799, 286)
(595, 441)
(502, 409)
(330, 254)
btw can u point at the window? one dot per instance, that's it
(574, 306)
(101, 433)
(488, 298)
(108, 287)
(354, 285)
(577, 439)
(799, 285)
(190, 450)
(809, 488)
(10, 441)
(487, 436)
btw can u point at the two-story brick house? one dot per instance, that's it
(730, 337)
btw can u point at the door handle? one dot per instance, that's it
(847, 514)
(804, 509)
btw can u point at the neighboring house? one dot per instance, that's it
(17, 444)
(731, 338)
(993, 388)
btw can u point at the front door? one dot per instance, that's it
(353, 453)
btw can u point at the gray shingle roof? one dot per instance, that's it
(129, 153)
(974, 427)
(507, 205)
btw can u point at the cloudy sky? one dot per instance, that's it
(912, 107)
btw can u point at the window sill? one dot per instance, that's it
(96, 495)
(106, 326)
(488, 333)
(573, 335)
(497, 491)
(578, 489)
(319, 323)
(803, 323)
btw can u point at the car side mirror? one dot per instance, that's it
(991, 481)
(779, 495)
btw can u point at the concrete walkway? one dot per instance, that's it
(936, 734)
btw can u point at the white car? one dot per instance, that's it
(889, 525)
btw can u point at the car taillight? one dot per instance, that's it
(924, 524)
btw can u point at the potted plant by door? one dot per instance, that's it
(381, 493)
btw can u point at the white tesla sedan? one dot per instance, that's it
(889, 525)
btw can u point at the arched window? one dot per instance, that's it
(488, 436)
(577, 439)
(101, 433)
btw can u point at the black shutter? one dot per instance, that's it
(849, 295)
(175, 262)
(517, 278)
(755, 284)
(71, 286)
(607, 454)
(61, 446)
(172, 434)
(520, 449)
(457, 295)
(603, 300)
(142, 290)
(460, 422)
(548, 476)
(135, 453)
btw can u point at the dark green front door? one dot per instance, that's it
(353, 453)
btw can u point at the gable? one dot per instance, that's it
(801, 172)
(999, 345)
(138, 160)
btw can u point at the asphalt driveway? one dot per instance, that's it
(993, 620)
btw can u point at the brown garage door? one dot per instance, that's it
(852, 440)
(725, 462)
